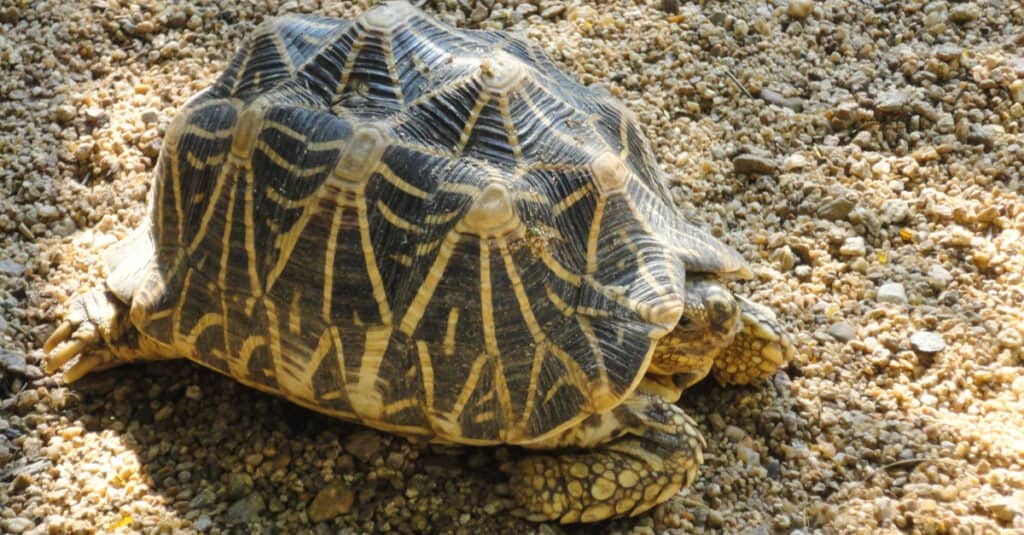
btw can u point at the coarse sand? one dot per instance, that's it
(865, 157)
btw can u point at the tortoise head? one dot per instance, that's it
(710, 321)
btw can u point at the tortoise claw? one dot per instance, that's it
(82, 368)
(62, 333)
(93, 321)
(64, 353)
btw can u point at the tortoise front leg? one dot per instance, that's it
(761, 347)
(654, 451)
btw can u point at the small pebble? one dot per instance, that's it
(12, 268)
(552, 11)
(95, 116)
(239, 484)
(734, 433)
(12, 362)
(964, 13)
(363, 445)
(331, 501)
(853, 246)
(842, 331)
(17, 524)
(194, 393)
(202, 523)
(1006, 508)
(64, 113)
(836, 209)
(892, 292)
(748, 456)
(939, 277)
(799, 9)
(895, 101)
(927, 342)
(715, 518)
(753, 164)
(245, 510)
(1017, 90)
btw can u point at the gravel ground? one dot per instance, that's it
(865, 157)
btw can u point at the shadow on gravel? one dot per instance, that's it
(225, 456)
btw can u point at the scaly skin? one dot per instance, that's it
(659, 455)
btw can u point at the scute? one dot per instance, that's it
(428, 230)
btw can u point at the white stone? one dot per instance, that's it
(892, 292)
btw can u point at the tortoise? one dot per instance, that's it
(436, 233)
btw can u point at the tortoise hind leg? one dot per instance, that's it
(94, 327)
(98, 326)
(655, 453)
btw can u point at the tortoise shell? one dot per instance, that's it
(427, 230)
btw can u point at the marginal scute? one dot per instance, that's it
(492, 213)
(359, 158)
(444, 426)
(175, 130)
(501, 72)
(386, 16)
(666, 314)
(610, 173)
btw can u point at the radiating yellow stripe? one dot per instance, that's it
(504, 397)
(250, 236)
(543, 118)
(449, 335)
(557, 268)
(295, 313)
(467, 389)
(419, 303)
(592, 237)
(286, 242)
(211, 206)
(571, 199)
(474, 115)
(350, 61)
(397, 220)
(510, 128)
(240, 366)
(486, 303)
(397, 181)
(210, 319)
(623, 136)
(210, 161)
(225, 245)
(469, 190)
(389, 59)
(556, 300)
(332, 247)
(600, 392)
(370, 260)
(442, 218)
(426, 375)
(283, 375)
(282, 49)
(283, 162)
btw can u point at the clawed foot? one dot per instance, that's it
(93, 322)
(623, 477)
(758, 351)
